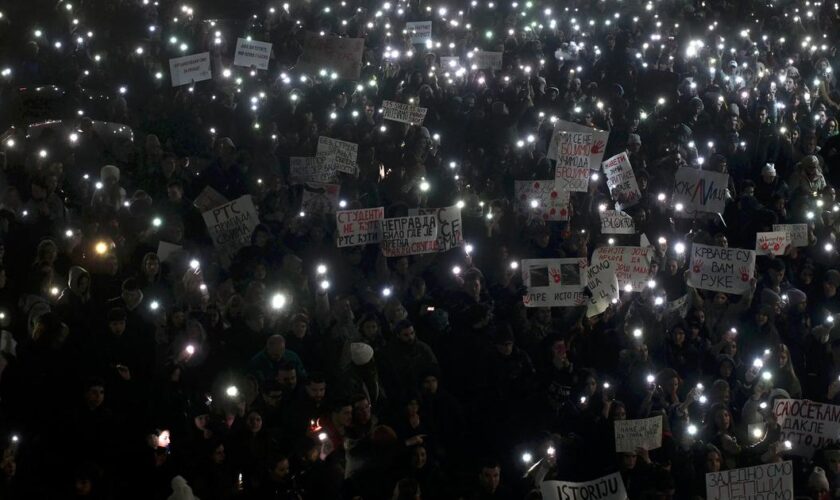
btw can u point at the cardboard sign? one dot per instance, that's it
(550, 203)
(772, 243)
(230, 226)
(167, 251)
(359, 227)
(554, 282)
(304, 169)
(420, 31)
(642, 433)
(252, 53)
(209, 198)
(621, 181)
(632, 265)
(339, 154)
(573, 154)
(721, 269)
(700, 190)
(341, 55)
(403, 113)
(761, 482)
(450, 227)
(808, 425)
(609, 487)
(450, 63)
(487, 60)
(603, 285)
(798, 233)
(599, 141)
(319, 198)
(188, 69)
(409, 235)
(616, 222)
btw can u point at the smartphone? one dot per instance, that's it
(430, 309)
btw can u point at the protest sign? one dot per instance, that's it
(339, 154)
(603, 285)
(450, 229)
(599, 141)
(632, 265)
(404, 113)
(230, 226)
(610, 487)
(167, 251)
(761, 482)
(642, 433)
(676, 310)
(721, 269)
(319, 198)
(700, 191)
(616, 222)
(487, 60)
(550, 203)
(252, 53)
(808, 425)
(554, 282)
(772, 243)
(798, 233)
(188, 69)
(359, 227)
(340, 55)
(209, 198)
(410, 235)
(449, 63)
(574, 150)
(304, 169)
(419, 31)
(621, 181)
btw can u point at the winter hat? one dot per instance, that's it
(109, 171)
(779, 394)
(769, 297)
(634, 139)
(734, 110)
(769, 168)
(809, 161)
(796, 296)
(182, 491)
(360, 353)
(832, 276)
(817, 480)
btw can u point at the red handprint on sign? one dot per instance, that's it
(526, 299)
(745, 275)
(697, 267)
(555, 275)
(764, 245)
(598, 147)
(776, 247)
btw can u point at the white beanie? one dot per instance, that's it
(360, 353)
(817, 480)
(109, 171)
(181, 490)
(769, 168)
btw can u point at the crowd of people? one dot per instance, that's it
(140, 360)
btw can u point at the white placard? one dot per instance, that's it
(319, 198)
(642, 433)
(603, 285)
(761, 482)
(403, 113)
(632, 265)
(798, 233)
(554, 282)
(188, 69)
(359, 227)
(551, 205)
(487, 60)
(252, 53)
(621, 180)
(339, 154)
(616, 222)
(609, 487)
(727, 270)
(772, 243)
(230, 226)
(449, 63)
(449, 226)
(700, 190)
(419, 31)
(304, 169)
(409, 235)
(599, 141)
(808, 425)
(574, 150)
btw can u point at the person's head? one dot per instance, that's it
(407, 489)
(217, 453)
(504, 341)
(369, 327)
(275, 347)
(783, 357)
(94, 393)
(618, 411)
(254, 421)
(672, 266)
(489, 477)
(278, 468)
(316, 386)
(151, 265)
(299, 325)
(721, 419)
(405, 332)
(721, 391)
(175, 190)
(430, 384)
(116, 321)
(362, 409)
(831, 281)
(419, 457)
(832, 460)
(627, 460)
(712, 459)
(287, 377)
(342, 414)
